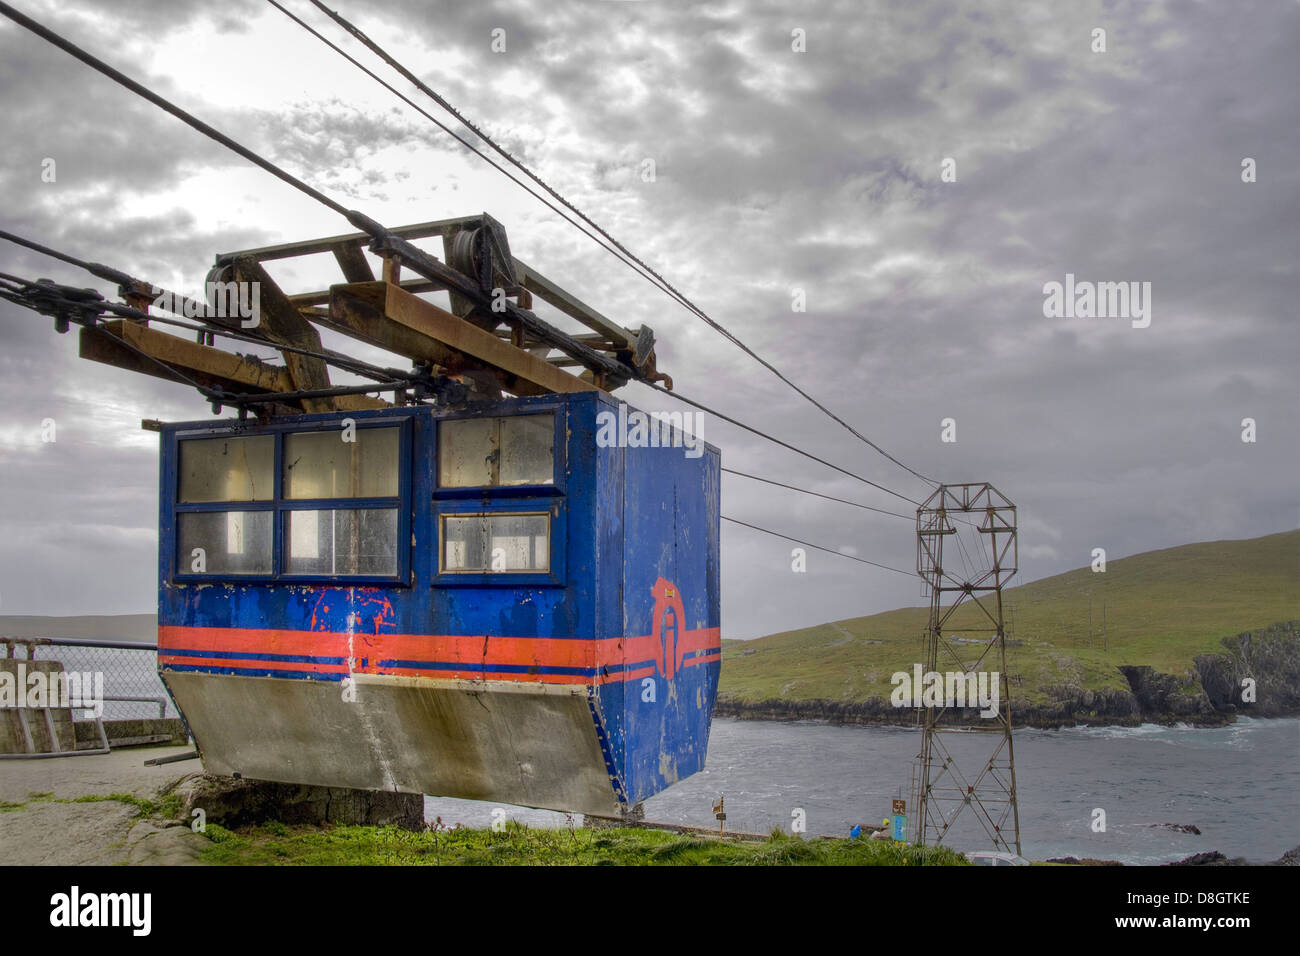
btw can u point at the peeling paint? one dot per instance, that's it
(528, 690)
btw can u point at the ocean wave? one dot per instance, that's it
(1104, 733)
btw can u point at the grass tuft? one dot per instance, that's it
(520, 845)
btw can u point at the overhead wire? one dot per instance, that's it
(98, 305)
(61, 301)
(817, 494)
(352, 216)
(660, 281)
(460, 139)
(94, 268)
(345, 362)
(92, 323)
(809, 544)
(364, 368)
(777, 441)
(354, 365)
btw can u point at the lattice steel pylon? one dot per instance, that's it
(940, 791)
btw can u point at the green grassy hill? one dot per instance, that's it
(1162, 609)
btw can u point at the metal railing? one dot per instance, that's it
(132, 688)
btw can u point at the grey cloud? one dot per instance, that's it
(818, 170)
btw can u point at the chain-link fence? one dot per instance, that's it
(132, 689)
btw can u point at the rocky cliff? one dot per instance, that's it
(1257, 674)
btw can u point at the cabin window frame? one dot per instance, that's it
(280, 506)
(550, 499)
(558, 456)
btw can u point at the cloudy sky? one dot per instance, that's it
(777, 170)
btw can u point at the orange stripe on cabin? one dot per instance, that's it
(472, 657)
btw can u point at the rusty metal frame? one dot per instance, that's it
(478, 272)
(489, 343)
(941, 792)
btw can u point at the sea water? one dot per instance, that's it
(1239, 785)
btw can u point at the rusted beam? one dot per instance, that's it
(353, 263)
(486, 348)
(282, 323)
(289, 250)
(478, 269)
(208, 366)
(419, 261)
(305, 300)
(357, 310)
(593, 339)
(410, 326)
(572, 306)
(203, 363)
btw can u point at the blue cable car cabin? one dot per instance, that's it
(490, 601)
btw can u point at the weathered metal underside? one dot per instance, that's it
(525, 744)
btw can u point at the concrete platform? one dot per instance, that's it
(50, 831)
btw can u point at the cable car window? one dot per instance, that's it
(496, 452)
(338, 463)
(327, 502)
(342, 541)
(225, 542)
(527, 450)
(227, 469)
(496, 543)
